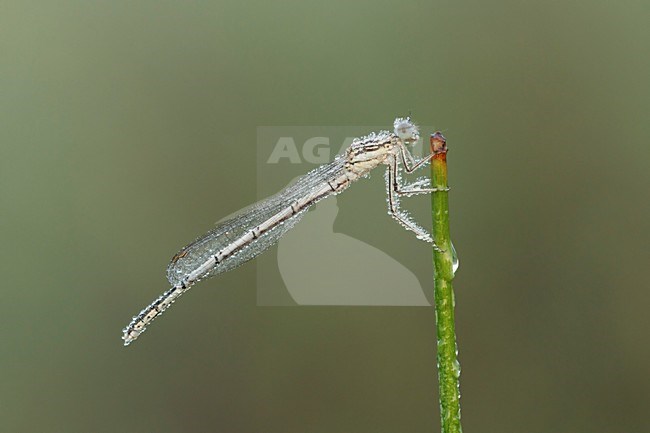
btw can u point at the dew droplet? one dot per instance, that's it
(454, 259)
(456, 368)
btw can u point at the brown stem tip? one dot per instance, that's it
(438, 143)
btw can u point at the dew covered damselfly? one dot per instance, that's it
(256, 228)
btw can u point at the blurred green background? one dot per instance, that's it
(127, 128)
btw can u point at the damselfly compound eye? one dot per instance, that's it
(406, 129)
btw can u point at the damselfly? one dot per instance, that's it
(259, 226)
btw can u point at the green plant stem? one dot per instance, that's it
(448, 366)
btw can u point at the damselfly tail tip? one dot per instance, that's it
(129, 335)
(126, 339)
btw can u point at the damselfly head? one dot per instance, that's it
(406, 130)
